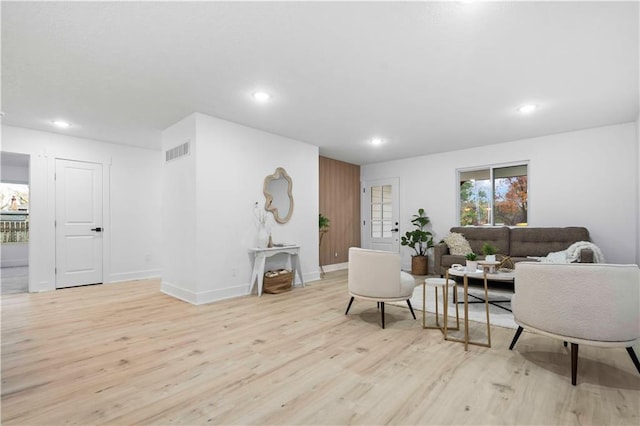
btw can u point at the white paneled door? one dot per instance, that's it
(78, 223)
(380, 215)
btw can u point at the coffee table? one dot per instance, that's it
(485, 276)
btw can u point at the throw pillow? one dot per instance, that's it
(458, 244)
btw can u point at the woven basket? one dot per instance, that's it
(277, 281)
(505, 263)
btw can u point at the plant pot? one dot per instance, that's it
(472, 265)
(490, 258)
(419, 265)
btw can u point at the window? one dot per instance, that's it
(494, 196)
(381, 211)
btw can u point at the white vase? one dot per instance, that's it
(263, 237)
(472, 265)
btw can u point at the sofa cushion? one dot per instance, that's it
(478, 235)
(458, 244)
(542, 241)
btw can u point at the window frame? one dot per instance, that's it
(491, 168)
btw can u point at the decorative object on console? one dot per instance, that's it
(278, 195)
(264, 225)
(458, 244)
(420, 241)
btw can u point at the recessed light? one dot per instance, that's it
(376, 141)
(61, 124)
(261, 96)
(526, 109)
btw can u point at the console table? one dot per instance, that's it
(260, 256)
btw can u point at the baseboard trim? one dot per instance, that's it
(135, 275)
(204, 297)
(13, 263)
(335, 267)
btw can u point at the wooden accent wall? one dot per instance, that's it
(340, 202)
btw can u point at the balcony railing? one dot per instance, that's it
(14, 227)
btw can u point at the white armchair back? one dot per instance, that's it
(596, 302)
(376, 275)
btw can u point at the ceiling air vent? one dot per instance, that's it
(177, 152)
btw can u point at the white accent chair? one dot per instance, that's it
(376, 276)
(581, 303)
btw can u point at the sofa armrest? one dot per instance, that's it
(586, 255)
(439, 250)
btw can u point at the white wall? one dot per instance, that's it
(584, 178)
(231, 162)
(638, 192)
(14, 174)
(132, 224)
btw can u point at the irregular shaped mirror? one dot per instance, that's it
(277, 192)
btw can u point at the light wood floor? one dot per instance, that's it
(127, 354)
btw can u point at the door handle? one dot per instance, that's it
(395, 230)
(98, 229)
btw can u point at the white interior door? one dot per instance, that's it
(78, 223)
(380, 215)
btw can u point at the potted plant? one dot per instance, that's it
(323, 222)
(420, 241)
(472, 262)
(489, 252)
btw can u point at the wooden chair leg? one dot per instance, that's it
(349, 307)
(411, 309)
(634, 357)
(574, 363)
(382, 312)
(516, 337)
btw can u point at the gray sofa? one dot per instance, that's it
(517, 243)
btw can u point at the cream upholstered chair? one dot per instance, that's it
(376, 276)
(581, 303)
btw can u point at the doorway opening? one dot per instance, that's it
(14, 222)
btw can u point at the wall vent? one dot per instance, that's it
(178, 151)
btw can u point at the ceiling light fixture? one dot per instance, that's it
(526, 109)
(261, 96)
(376, 141)
(61, 124)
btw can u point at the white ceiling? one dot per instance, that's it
(426, 76)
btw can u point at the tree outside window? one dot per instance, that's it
(494, 196)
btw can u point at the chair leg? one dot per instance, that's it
(382, 312)
(516, 337)
(634, 358)
(411, 308)
(349, 307)
(574, 363)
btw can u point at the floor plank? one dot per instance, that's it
(128, 354)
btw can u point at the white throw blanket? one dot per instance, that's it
(572, 254)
